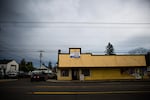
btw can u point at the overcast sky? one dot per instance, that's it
(27, 26)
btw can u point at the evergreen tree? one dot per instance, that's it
(22, 66)
(26, 66)
(55, 68)
(29, 66)
(109, 49)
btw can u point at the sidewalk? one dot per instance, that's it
(99, 81)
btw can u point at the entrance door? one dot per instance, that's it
(75, 74)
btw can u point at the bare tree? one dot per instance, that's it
(138, 51)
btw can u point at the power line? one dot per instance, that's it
(70, 22)
(51, 51)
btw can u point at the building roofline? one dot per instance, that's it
(6, 61)
(106, 55)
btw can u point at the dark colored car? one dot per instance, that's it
(39, 77)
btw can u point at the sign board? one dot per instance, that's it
(81, 77)
(75, 55)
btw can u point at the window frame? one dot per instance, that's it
(64, 72)
(85, 72)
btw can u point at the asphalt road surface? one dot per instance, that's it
(23, 89)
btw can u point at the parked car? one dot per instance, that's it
(52, 76)
(12, 75)
(39, 77)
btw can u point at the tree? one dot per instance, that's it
(50, 65)
(26, 66)
(55, 67)
(138, 51)
(29, 66)
(109, 49)
(22, 65)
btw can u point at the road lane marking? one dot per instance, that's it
(73, 93)
(67, 86)
(85, 86)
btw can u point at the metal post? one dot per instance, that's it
(41, 57)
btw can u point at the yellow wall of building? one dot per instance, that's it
(88, 60)
(99, 74)
(107, 73)
(75, 50)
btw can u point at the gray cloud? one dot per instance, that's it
(138, 41)
(34, 30)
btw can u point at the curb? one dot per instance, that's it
(96, 81)
(7, 80)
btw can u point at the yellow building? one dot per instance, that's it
(86, 66)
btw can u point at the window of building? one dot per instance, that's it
(64, 72)
(86, 72)
(75, 55)
(13, 67)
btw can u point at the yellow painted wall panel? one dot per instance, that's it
(74, 50)
(88, 60)
(103, 74)
(99, 74)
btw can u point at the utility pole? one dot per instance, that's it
(41, 51)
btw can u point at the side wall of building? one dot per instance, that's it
(12, 66)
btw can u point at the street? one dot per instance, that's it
(23, 89)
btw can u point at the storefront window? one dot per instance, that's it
(64, 72)
(86, 72)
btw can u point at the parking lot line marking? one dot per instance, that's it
(72, 93)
